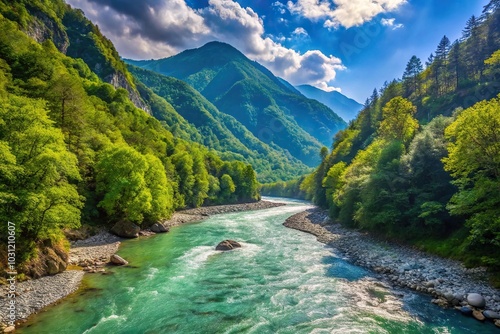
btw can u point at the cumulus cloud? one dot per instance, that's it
(346, 13)
(159, 28)
(300, 32)
(391, 23)
(280, 7)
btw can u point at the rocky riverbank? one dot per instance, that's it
(92, 255)
(449, 282)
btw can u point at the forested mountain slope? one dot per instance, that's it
(74, 149)
(250, 93)
(221, 131)
(421, 162)
(343, 106)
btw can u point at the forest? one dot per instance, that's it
(421, 162)
(76, 150)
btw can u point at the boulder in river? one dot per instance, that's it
(465, 310)
(118, 260)
(478, 315)
(159, 228)
(476, 300)
(126, 229)
(227, 245)
(491, 315)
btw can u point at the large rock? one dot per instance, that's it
(227, 245)
(478, 315)
(476, 300)
(118, 260)
(491, 315)
(126, 229)
(465, 310)
(159, 228)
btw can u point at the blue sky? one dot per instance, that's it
(349, 45)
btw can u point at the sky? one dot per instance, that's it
(352, 46)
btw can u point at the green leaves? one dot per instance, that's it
(474, 161)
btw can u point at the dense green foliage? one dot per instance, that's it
(75, 149)
(272, 111)
(415, 165)
(219, 131)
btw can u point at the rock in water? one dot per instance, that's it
(478, 315)
(466, 310)
(126, 229)
(491, 315)
(227, 245)
(159, 228)
(476, 300)
(118, 260)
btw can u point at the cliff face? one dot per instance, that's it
(118, 80)
(77, 37)
(43, 28)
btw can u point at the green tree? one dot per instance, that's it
(397, 120)
(37, 172)
(120, 175)
(474, 162)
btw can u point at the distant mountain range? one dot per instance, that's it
(272, 110)
(345, 107)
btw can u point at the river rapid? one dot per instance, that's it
(280, 281)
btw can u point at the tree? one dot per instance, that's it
(121, 181)
(474, 162)
(411, 75)
(397, 120)
(441, 63)
(36, 173)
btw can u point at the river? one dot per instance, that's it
(280, 281)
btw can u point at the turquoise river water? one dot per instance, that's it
(280, 281)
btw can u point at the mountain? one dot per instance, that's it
(343, 106)
(216, 130)
(246, 90)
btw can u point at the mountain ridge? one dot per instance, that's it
(250, 93)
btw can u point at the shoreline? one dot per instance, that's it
(448, 281)
(92, 255)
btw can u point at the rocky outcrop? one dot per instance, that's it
(118, 80)
(118, 260)
(227, 245)
(126, 229)
(43, 28)
(50, 260)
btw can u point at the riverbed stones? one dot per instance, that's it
(118, 260)
(476, 300)
(9, 329)
(478, 315)
(227, 245)
(126, 229)
(159, 228)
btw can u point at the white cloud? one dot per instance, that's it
(280, 7)
(155, 29)
(391, 23)
(300, 32)
(346, 13)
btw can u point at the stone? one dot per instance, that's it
(126, 229)
(227, 245)
(9, 329)
(465, 310)
(159, 228)
(497, 323)
(449, 296)
(491, 315)
(118, 260)
(476, 300)
(478, 315)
